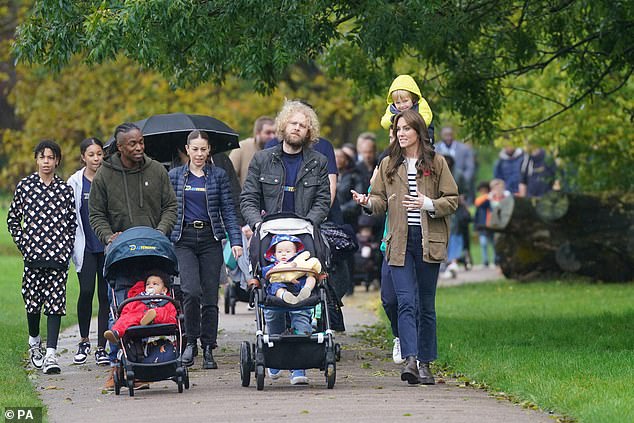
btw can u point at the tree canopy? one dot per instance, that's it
(470, 49)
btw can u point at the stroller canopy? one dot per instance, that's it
(141, 247)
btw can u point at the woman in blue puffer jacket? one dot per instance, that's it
(205, 213)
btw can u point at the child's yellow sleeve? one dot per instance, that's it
(386, 120)
(425, 111)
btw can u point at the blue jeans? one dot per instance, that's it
(388, 297)
(276, 321)
(415, 288)
(486, 239)
(455, 248)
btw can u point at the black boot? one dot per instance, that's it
(426, 376)
(191, 351)
(410, 371)
(208, 358)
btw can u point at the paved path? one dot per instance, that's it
(368, 388)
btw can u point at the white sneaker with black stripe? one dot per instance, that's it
(36, 355)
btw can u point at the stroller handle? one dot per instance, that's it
(145, 298)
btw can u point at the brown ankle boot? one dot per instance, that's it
(410, 371)
(425, 374)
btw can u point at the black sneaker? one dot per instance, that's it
(101, 357)
(83, 351)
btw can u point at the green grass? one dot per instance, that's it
(15, 386)
(565, 347)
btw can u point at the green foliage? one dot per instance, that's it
(91, 100)
(592, 139)
(474, 45)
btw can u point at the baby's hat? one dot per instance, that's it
(270, 252)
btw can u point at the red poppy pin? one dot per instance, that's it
(426, 172)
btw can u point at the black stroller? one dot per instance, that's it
(288, 352)
(134, 252)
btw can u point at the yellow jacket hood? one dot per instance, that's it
(403, 82)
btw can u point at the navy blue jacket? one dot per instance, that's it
(509, 169)
(219, 203)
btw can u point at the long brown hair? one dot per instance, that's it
(426, 153)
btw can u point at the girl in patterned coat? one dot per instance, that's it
(42, 222)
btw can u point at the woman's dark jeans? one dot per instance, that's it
(415, 288)
(199, 261)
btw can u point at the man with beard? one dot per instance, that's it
(263, 132)
(290, 177)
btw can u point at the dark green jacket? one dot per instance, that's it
(122, 198)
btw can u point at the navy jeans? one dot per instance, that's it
(415, 287)
(200, 260)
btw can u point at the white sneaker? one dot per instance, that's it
(50, 365)
(298, 377)
(274, 374)
(396, 352)
(36, 355)
(453, 268)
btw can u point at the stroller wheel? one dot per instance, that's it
(130, 380)
(180, 383)
(259, 377)
(117, 381)
(245, 363)
(186, 379)
(331, 375)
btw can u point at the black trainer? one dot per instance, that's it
(425, 374)
(410, 371)
(83, 351)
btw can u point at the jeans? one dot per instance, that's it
(455, 248)
(276, 321)
(200, 260)
(388, 297)
(486, 239)
(415, 287)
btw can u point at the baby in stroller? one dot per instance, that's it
(144, 312)
(287, 275)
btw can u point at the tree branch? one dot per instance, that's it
(543, 97)
(567, 107)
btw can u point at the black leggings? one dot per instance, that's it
(91, 267)
(53, 323)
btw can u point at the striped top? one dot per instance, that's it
(413, 216)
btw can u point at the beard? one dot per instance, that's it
(295, 141)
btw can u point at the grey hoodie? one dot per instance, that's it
(122, 198)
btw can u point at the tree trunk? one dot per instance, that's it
(590, 235)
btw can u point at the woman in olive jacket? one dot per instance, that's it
(417, 188)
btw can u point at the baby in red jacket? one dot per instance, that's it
(144, 312)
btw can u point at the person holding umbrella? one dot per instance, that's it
(205, 213)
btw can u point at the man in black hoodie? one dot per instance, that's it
(130, 189)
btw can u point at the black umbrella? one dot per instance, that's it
(165, 134)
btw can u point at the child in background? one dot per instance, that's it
(404, 94)
(481, 220)
(498, 192)
(144, 312)
(283, 253)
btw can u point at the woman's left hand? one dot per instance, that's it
(237, 251)
(414, 203)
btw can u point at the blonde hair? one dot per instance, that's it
(399, 94)
(496, 183)
(292, 107)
